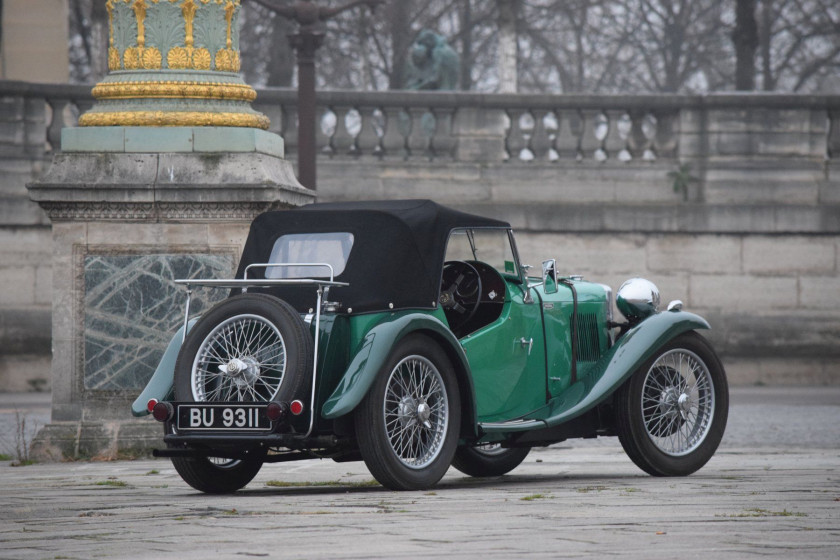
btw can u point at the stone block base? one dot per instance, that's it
(106, 441)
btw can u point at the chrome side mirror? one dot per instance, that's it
(549, 276)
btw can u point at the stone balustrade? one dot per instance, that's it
(473, 127)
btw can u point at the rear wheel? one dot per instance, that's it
(215, 475)
(671, 414)
(407, 425)
(489, 459)
(248, 348)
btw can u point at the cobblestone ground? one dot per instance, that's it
(773, 489)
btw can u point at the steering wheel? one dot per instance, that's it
(460, 291)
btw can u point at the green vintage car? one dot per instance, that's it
(410, 336)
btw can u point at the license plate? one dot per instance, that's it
(223, 417)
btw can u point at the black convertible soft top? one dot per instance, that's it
(397, 256)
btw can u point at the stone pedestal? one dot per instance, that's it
(133, 209)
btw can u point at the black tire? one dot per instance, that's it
(217, 476)
(407, 425)
(672, 412)
(490, 460)
(273, 361)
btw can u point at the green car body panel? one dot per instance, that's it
(614, 367)
(380, 332)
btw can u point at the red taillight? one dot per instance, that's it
(163, 411)
(296, 407)
(151, 404)
(276, 411)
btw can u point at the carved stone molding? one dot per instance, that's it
(187, 211)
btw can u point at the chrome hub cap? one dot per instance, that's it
(678, 402)
(415, 412)
(243, 372)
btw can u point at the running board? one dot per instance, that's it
(519, 425)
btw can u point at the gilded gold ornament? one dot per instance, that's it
(174, 118)
(224, 62)
(113, 59)
(177, 58)
(174, 90)
(201, 59)
(131, 58)
(151, 59)
(139, 8)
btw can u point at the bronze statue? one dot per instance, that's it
(432, 64)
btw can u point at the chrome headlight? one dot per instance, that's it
(637, 299)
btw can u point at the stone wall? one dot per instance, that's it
(25, 271)
(752, 243)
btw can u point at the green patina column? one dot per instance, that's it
(173, 63)
(159, 181)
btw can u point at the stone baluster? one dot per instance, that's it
(325, 128)
(515, 141)
(637, 143)
(343, 141)
(369, 139)
(397, 127)
(590, 144)
(613, 142)
(421, 132)
(539, 143)
(569, 132)
(443, 142)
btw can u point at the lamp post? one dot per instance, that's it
(310, 19)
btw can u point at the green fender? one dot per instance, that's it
(163, 380)
(614, 368)
(374, 351)
(625, 357)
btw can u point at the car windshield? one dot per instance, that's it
(331, 248)
(488, 245)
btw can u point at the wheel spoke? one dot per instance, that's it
(257, 348)
(677, 402)
(415, 412)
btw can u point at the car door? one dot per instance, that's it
(507, 359)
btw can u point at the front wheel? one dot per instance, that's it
(489, 459)
(407, 425)
(671, 414)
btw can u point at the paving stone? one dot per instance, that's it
(771, 491)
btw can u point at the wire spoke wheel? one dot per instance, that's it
(415, 411)
(671, 414)
(242, 359)
(407, 425)
(247, 348)
(678, 402)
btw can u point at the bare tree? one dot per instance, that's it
(799, 42)
(601, 46)
(267, 57)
